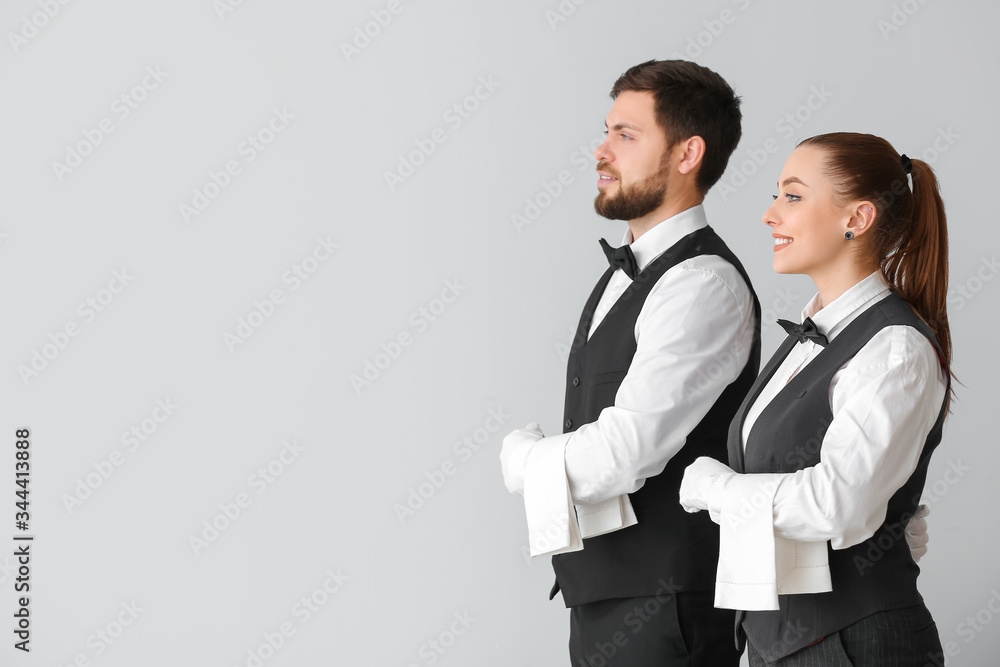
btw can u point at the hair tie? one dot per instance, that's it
(907, 164)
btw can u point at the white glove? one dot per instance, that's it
(916, 532)
(514, 455)
(703, 486)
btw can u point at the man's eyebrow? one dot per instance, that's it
(793, 179)
(624, 126)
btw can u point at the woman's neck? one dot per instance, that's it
(832, 284)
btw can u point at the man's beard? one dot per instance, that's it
(634, 201)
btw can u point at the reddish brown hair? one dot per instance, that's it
(909, 241)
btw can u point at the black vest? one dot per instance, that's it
(875, 575)
(668, 544)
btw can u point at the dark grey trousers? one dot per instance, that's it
(682, 630)
(904, 637)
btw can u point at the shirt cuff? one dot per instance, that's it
(552, 521)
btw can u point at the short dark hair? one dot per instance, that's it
(690, 100)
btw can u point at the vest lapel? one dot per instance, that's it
(736, 428)
(587, 316)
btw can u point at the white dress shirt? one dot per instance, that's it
(884, 400)
(693, 337)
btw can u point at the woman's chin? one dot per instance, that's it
(780, 266)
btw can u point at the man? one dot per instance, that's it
(667, 347)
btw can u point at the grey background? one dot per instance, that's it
(500, 345)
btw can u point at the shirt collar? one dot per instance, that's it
(664, 234)
(832, 318)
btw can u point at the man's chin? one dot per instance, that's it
(604, 207)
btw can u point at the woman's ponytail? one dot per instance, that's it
(909, 242)
(918, 268)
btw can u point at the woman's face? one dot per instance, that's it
(807, 225)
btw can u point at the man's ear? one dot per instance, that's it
(690, 152)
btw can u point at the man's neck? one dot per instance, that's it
(667, 210)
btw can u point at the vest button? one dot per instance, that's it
(576, 381)
(568, 423)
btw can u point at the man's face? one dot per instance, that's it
(632, 163)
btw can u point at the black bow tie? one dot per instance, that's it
(805, 331)
(621, 258)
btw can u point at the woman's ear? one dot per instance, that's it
(863, 216)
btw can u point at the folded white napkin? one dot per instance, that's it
(555, 526)
(755, 565)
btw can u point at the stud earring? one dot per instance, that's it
(849, 235)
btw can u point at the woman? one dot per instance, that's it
(839, 427)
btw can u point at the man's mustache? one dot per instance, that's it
(603, 166)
